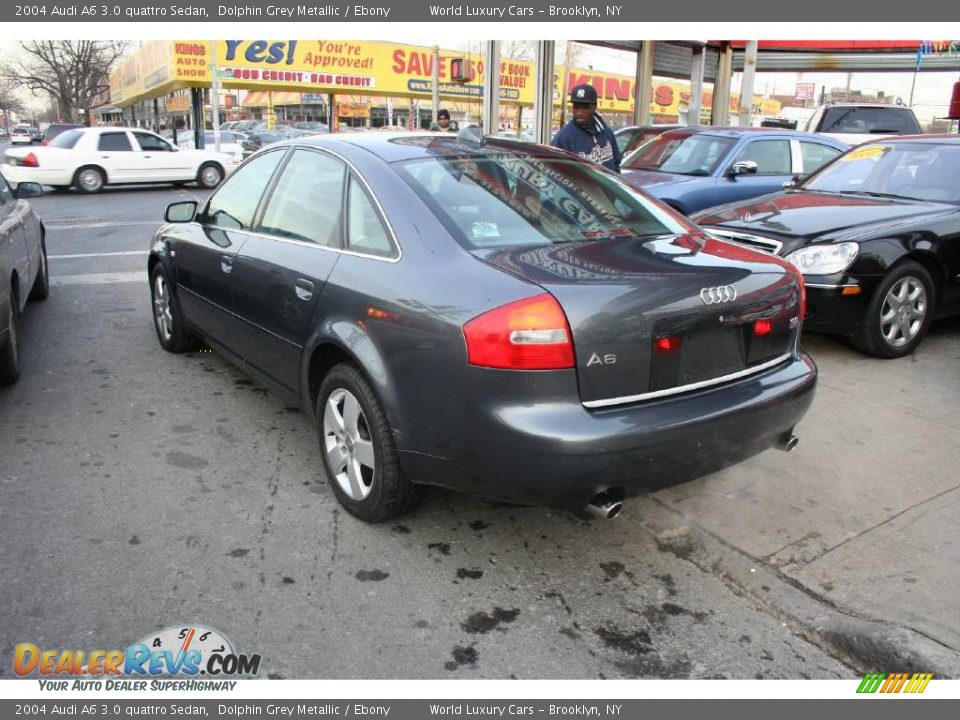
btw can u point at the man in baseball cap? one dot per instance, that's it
(587, 135)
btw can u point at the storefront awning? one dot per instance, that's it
(261, 98)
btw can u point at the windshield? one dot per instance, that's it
(865, 120)
(920, 171)
(683, 154)
(506, 200)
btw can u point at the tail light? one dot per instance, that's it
(803, 295)
(29, 160)
(667, 344)
(46, 141)
(529, 334)
(762, 327)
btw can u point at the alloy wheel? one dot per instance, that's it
(903, 311)
(348, 444)
(91, 180)
(162, 313)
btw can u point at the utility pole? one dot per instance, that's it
(436, 82)
(215, 95)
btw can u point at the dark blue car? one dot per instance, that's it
(695, 168)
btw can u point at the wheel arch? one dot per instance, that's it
(933, 265)
(343, 342)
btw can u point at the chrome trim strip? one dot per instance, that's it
(830, 286)
(747, 239)
(686, 388)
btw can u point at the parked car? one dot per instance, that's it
(633, 136)
(54, 129)
(312, 126)
(229, 143)
(261, 138)
(856, 123)
(516, 135)
(91, 158)
(694, 168)
(876, 234)
(493, 317)
(23, 270)
(23, 135)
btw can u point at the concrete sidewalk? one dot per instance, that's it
(854, 536)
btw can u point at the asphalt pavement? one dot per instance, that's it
(141, 490)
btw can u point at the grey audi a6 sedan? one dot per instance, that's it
(484, 315)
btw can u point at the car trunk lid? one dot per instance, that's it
(654, 316)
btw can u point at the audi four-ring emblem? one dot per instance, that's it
(720, 294)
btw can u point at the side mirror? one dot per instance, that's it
(181, 212)
(793, 182)
(29, 190)
(744, 167)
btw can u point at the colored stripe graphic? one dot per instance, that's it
(870, 683)
(895, 683)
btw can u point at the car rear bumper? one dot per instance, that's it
(562, 454)
(16, 174)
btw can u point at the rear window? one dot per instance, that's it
(867, 120)
(681, 153)
(67, 139)
(507, 200)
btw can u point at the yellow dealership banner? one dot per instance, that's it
(366, 68)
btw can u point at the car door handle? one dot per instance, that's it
(304, 289)
(226, 263)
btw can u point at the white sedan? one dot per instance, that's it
(91, 158)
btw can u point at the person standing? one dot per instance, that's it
(587, 135)
(443, 122)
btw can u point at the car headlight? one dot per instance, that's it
(824, 259)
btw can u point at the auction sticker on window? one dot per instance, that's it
(868, 152)
(172, 659)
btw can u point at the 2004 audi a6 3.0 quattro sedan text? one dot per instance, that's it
(488, 316)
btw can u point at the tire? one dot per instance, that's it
(209, 175)
(10, 352)
(89, 179)
(899, 313)
(41, 286)
(167, 319)
(376, 490)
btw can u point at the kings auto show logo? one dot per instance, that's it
(173, 659)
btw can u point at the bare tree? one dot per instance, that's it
(72, 72)
(9, 101)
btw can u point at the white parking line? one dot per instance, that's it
(100, 278)
(107, 254)
(81, 226)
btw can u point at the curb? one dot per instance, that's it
(866, 645)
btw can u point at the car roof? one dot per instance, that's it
(735, 132)
(941, 139)
(864, 104)
(393, 146)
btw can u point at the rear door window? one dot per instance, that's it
(114, 141)
(366, 232)
(815, 155)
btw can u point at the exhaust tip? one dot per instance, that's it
(605, 507)
(787, 442)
